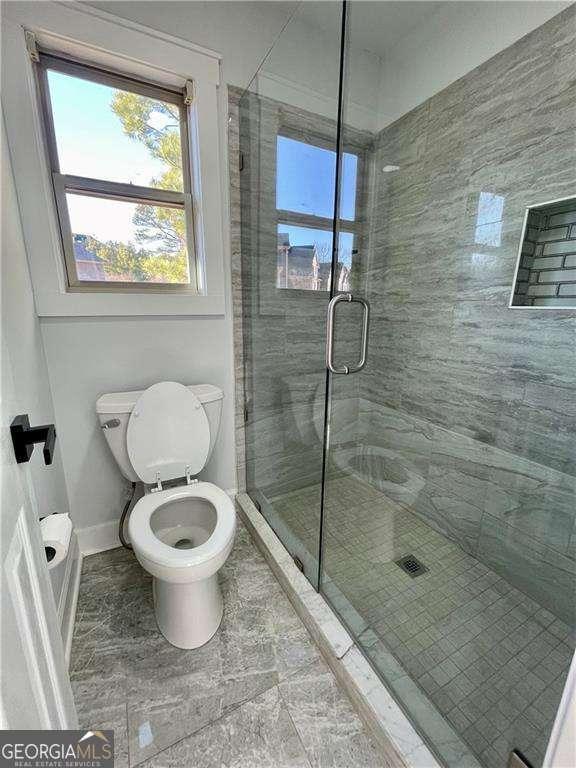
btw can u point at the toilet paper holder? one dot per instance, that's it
(56, 530)
(24, 437)
(50, 553)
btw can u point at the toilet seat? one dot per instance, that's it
(145, 541)
(168, 433)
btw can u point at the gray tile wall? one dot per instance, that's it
(479, 398)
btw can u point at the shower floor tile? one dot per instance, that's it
(491, 660)
(257, 694)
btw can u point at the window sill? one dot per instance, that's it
(91, 304)
(302, 293)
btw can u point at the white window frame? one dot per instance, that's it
(311, 221)
(111, 190)
(85, 34)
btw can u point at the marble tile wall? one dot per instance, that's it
(477, 398)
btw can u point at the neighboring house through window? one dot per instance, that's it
(305, 180)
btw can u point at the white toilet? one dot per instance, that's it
(181, 530)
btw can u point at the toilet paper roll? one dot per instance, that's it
(56, 531)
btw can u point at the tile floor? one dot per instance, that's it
(258, 694)
(492, 660)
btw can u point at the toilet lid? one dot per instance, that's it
(168, 432)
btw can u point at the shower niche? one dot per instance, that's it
(546, 270)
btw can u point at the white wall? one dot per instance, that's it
(90, 356)
(21, 330)
(304, 62)
(241, 31)
(456, 39)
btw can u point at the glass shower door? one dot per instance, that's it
(288, 139)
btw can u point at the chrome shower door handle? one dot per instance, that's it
(330, 332)
(364, 345)
(345, 369)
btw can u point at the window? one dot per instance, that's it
(305, 181)
(119, 157)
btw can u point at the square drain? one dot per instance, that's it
(411, 565)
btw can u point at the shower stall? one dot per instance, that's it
(409, 423)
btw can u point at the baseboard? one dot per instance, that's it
(69, 564)
(98, 538)
(69, 613)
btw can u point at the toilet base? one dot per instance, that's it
(188, 614)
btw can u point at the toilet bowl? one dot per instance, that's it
(182, 536)
(181, 530)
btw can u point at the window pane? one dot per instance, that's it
(107, 133)
(306, 176)
(117, 241)
(348, 187)
(304, 258)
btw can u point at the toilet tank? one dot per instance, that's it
(114, 410)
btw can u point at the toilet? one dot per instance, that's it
(181, 530)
